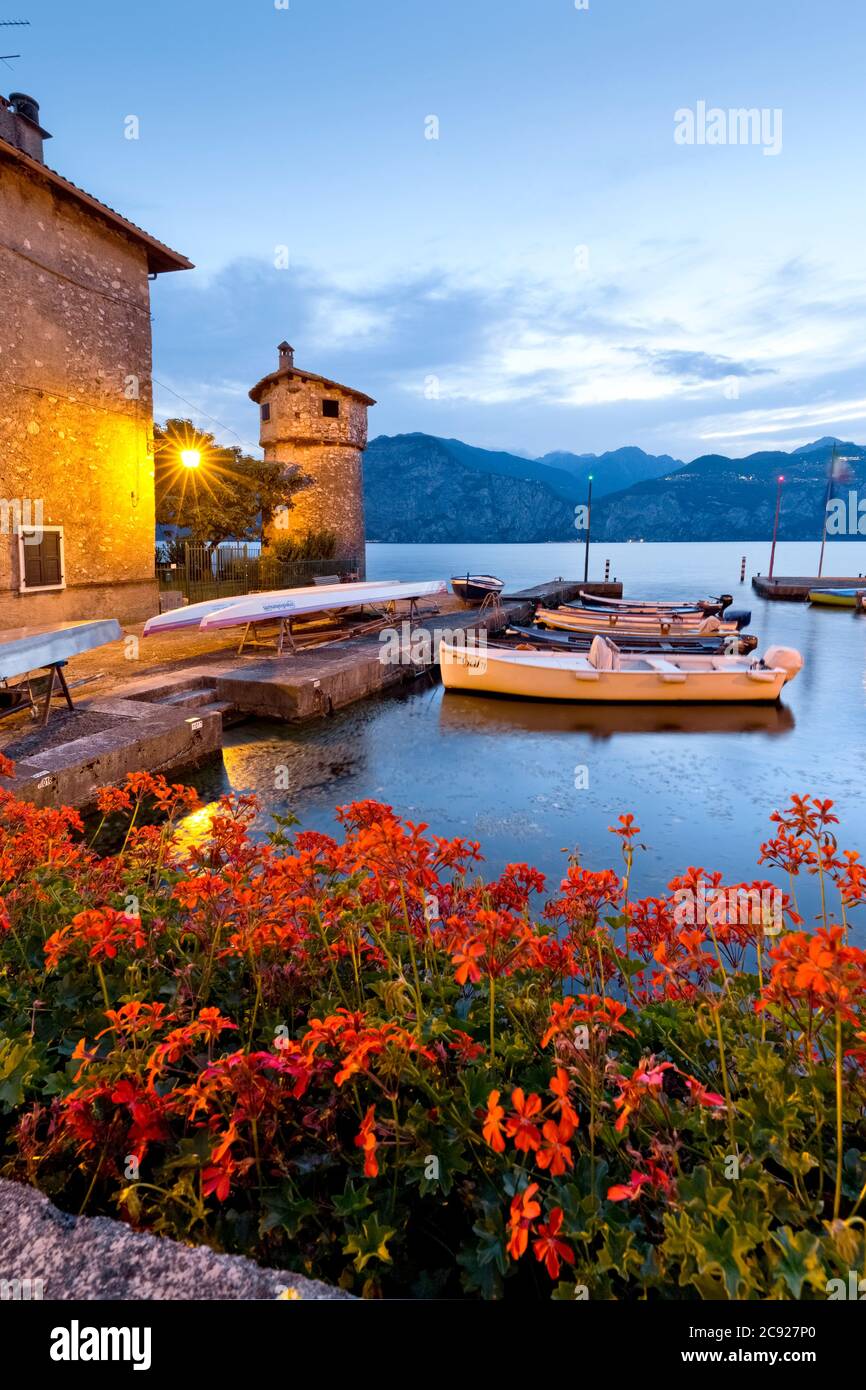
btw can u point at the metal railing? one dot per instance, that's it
(199, 573)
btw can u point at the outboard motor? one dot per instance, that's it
(741, 616)
(787, 659)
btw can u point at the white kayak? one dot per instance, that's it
(320, 598)
(607, 674)
(24, 649)
(194, 613)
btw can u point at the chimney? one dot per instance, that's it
(19, 124)
(287, 355)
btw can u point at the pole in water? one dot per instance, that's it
(588, 521)
(830, 482)
(779, 483)
(606, 571)
(743, 570)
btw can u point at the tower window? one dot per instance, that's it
(266, 411)
(331, 409)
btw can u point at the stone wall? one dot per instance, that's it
(329, 452)
(75, 403)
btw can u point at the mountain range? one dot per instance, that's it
(421, 488)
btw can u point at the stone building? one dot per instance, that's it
(76, 428)
(321, 426)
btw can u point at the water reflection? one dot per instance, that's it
(499, 714)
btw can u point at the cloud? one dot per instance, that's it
(528, 362)
(701, 366)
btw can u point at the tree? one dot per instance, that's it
(229, 495)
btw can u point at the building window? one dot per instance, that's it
(266, 411)
(331, 409)
(40, 559)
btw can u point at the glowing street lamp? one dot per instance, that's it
(190, 458)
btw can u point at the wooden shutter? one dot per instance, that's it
(42, 565)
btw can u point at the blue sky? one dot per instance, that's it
(554, 271)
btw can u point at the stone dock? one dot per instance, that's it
(164, 710)
(796, 587)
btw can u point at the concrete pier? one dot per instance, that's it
(796, 587)
(165, 710)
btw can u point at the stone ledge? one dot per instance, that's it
(94, 1258)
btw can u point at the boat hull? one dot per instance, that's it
(572, 678)
(475, 588)
(711, 645)
(311, 598)
(584, 620)
(296, 603)
(704, 607)
(836, 598)
(26, 649)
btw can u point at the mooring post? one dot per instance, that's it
(606, 571)
(588, 522)
(743, 570)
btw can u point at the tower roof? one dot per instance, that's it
(285, 372)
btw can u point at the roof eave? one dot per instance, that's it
(256, 391)
(160, 258)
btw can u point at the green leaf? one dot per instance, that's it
(369, 1243)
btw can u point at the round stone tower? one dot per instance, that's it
(320, 426)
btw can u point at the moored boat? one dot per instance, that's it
(475, 588)
(705, 606)
(606, 674)
(838, 598)
(713, 644)
(572, 619)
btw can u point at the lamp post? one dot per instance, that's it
(588, 520)
(779, 483)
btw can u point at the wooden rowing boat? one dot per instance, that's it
(608, 675)
(475, 588)
(837, 598)
(704, 606)
(712, 644)
(570, 619)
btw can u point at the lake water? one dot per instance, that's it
(701, 781)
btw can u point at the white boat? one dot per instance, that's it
(295, 603)
(607, 674)
(24, 649)
(568, 618)
(652, 605)
(353, 594)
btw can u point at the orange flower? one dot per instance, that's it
(548, 1249)
(555, 1153)
(559, 1087)
(365, 1139)
(524, 1210)
(492, 1130)
(519, 1126)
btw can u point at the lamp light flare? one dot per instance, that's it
(190, 458)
